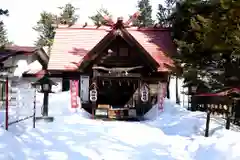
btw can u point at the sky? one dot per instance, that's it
(23, 14)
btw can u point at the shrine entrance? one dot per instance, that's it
(117, 92)
(119, 95)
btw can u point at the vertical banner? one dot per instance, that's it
(74, 93)
(162, 89)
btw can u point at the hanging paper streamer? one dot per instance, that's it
(162, 90)
(74, 93)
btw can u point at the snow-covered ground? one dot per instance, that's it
(175, 134)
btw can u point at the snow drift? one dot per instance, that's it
(60, 105)
(174, 134)
(10, 146)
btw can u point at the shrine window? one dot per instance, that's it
(123, 52)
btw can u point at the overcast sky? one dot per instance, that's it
(25, 13)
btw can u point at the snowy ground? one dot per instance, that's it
(176, 134)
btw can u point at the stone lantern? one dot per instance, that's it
(44, 85)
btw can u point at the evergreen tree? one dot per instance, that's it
(3, 35)
(98, 18)
(68, 15)
(208, 37)
(3, 12)
(48, 23)
(3, 32)
(46, 29)
(145, 18)
(162, 16)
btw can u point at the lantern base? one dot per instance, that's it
(45, 118)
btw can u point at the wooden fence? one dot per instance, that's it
(216, 105)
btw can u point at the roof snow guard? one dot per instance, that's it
(156, 42)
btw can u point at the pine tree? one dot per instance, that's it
(68, 14)
(145, 19)
(46, 29)
(49, 22)
(3, 12)
(3, 35)
(208, 36)
(3, 32)
(162, 16)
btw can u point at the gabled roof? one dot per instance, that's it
(23, 49)
(156, 42)
(34, 67)
(13, 50)
(9, 51)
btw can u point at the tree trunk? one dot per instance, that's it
(177, 95)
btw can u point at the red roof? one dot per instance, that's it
(157, 42)
(25, 49)
(222, 93)
(13, 50)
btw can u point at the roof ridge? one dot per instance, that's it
(92, 27)
(148, 29)
(78, 26)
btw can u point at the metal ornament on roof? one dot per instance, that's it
(111, 23)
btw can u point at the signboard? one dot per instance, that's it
(84, 89)
(74, 84)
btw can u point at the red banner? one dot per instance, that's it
(162, 90)
(74, 84)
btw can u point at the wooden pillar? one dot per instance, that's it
(139, 96)
(228, 116)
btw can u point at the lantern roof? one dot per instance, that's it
(44, 80)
